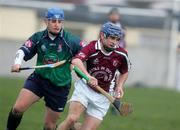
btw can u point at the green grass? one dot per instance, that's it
(154, 109)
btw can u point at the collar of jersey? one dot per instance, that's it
(98, 47)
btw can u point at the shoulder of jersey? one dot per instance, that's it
(91, 43)
(120, 49)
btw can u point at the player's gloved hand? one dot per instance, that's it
(15, 68)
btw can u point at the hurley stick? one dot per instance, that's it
(45, 66)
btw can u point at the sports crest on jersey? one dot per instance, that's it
(43, 48)
(115, 63)
(59, 48)
(83, 43)
(96, 61)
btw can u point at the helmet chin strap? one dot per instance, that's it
(108, 49)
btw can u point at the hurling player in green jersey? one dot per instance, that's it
(50, 45)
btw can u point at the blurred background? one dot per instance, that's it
(152, 33)
(153, 44)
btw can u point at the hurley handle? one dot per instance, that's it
(83, 75)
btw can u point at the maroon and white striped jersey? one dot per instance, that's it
(103, 66)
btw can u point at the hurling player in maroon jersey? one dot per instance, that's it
(103, 58)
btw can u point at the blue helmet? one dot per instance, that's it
(54, 13)
(111, 29)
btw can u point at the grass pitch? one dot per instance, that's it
(154, 109)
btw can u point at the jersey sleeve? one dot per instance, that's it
(85, 52)
(125, 64)
(29, 47)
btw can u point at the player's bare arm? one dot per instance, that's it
(119, 93)
(78, 62)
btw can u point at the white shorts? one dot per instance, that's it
(95, 103)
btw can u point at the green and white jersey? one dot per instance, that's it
(63, 47)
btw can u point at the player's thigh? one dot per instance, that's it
(25, 99)
(51, 116)
(76, 108)
(90, 123)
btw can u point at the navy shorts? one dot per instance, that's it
(55, 97)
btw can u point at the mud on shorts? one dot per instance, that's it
(55, 97)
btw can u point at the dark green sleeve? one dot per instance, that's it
(29, 47)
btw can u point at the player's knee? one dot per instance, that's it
(72, 119)
(17, 111)
(76, 126)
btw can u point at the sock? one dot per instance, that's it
(13, 121)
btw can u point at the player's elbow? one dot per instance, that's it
(75, 61)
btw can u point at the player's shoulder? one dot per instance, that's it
(70, 36)
(37, 36)
(90, 47)
(39, 33)
(91, 44)
(121, 50)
